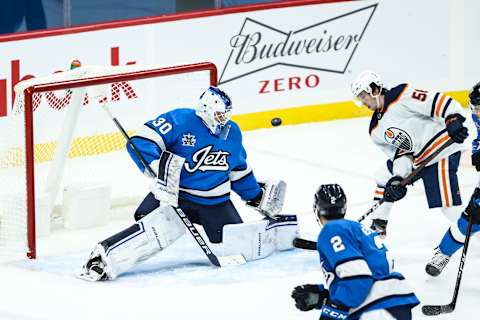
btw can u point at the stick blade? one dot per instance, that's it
(233, 260)
(304, 244)
(430, 310)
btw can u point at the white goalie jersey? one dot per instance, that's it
(412, 122)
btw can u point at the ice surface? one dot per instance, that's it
(179, 283)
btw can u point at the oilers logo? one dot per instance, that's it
(207, 160)
(399, 139)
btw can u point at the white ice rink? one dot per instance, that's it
(179, 283)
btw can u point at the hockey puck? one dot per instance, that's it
(276, 122)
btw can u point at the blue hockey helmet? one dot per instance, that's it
(214, 108)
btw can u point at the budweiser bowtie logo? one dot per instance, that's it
(327, 45)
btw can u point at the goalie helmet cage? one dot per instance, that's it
(78, 87)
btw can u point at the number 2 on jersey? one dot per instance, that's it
(337, 244)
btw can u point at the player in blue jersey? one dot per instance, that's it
(455, 235)
(360, 281)
(198, 159)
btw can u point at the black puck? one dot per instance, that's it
(276, 122)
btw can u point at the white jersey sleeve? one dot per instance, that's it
(412, 123)
(431, 104)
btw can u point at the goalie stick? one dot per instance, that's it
(312, 245)
(219, 261)
(434, 310)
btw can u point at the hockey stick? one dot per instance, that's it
(433, 310)
(312, 245)
(219, 261)
(304, 244)
(409, 178)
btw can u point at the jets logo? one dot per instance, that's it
(207, 160)
(399, 139)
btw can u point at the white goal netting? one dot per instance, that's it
(75, 143)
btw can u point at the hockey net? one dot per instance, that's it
(57, 135)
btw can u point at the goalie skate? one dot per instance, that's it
(95, 269)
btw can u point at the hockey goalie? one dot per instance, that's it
(197, 158)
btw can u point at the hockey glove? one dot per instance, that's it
(476, 160)
(393, 190)
(380, 227)
(475, 95)
(255, 202)
(269, 201)
(473, 207)
(455, 128)
(334, 311)
(309, 296)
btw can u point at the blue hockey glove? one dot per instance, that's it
(473, 207)
(333, 311)
(455, 128)
(475, 95)
(393, 190)
(309, 296)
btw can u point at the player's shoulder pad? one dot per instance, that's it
(181, 115)
(395, 94)
(340, 227)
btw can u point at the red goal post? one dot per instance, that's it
(71, 83)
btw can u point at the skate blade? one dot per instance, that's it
(86, 277)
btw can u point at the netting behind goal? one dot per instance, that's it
(58, 134)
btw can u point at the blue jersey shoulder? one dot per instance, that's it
(213, 166)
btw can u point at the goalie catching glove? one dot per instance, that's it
(269, 201)
(167, 184)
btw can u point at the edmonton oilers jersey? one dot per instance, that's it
(213, 166)
(357, 271)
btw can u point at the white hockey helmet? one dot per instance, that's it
(364, 82)
(214, 108)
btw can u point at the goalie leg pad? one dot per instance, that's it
(286, 230)
(250, 239)
(259, 239)
(142, 240)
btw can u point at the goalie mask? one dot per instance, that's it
(215, 108)
(366, 81)
(330, 202)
